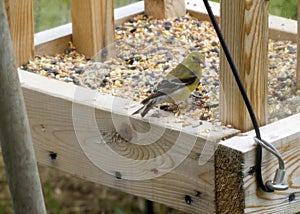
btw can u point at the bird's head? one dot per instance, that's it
(195, 62)
(196, 58)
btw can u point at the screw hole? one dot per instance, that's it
(292, 197)
(53, 155)
(188, 199)
(118, 175)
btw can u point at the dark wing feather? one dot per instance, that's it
(166, 87)
(171, 83)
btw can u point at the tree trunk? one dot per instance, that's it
(15, 138)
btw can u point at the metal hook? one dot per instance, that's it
(277, 182)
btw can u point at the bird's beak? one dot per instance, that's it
(202, 65)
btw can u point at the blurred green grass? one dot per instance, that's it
(283, 8)
(49, 14)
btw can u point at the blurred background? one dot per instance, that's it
(49, 14)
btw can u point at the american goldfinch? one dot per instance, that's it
(177, 84)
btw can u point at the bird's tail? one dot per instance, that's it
(146, 108)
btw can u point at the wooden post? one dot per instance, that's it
(298, 51)
(93, 27)
(165, 8)
(15, 138)
(245, 28)
(236, 186)
(20, 19)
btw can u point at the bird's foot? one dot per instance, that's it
(171, 107)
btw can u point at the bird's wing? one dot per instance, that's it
(166, 87)
(179, 71)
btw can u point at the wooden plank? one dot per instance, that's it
(279, 28)
(20, 18)
(298, 50)
(282, 29)
(85, 132)
(53, 47)
(53, 41)
(236, 157)
(122, 14)
(93, 28)
(197, 9)
(247, 39)
(165, 8)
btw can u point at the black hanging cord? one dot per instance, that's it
(244, 95)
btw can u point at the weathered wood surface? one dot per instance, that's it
(197, 9)
(236, 159)
(279, 28)
(20, 18)
(165, 8)
(53, 41)
(282, 29)
(98, 150)
(93, 27)
(122, 14)
(247, 40)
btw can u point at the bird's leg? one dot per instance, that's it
(171, 107)
(177, 110)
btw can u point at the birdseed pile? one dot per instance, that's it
(147, 49)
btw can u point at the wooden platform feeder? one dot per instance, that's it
(225, 183)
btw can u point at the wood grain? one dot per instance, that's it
(55, 40)
(165, 8)
(20, 18)
(285, 136)
(280, 28)
(87, 135)
(247, 39)
(93, 28)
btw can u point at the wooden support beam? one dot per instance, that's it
(245, 28)
(55, 40)
(165, 8)
(93, 28)
(279, 28)
(61, 117)
(298, 50)
(20, 19)
(235, 171)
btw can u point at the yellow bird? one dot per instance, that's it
(177, 84)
